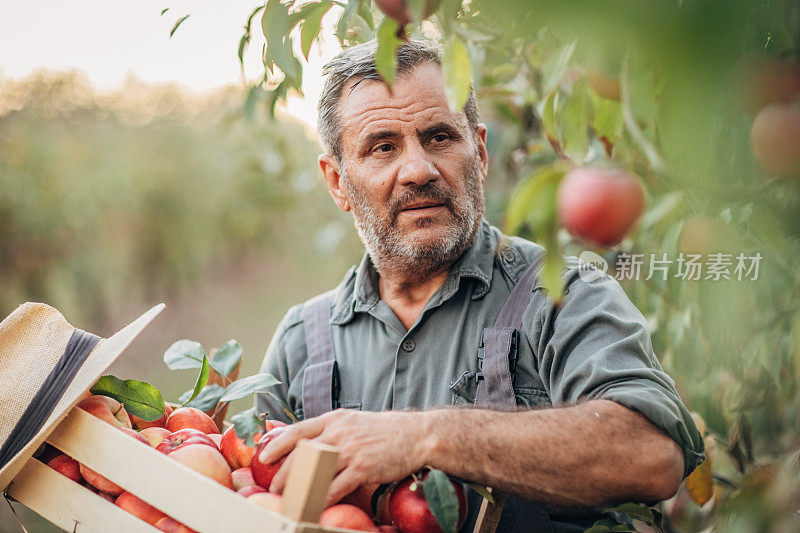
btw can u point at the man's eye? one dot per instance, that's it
(385, 147)
(440, 137)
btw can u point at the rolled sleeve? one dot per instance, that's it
(596, 346)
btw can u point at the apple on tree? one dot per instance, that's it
(398, 9)
(775, 138)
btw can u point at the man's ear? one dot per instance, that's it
(480, 136)
(333, 178)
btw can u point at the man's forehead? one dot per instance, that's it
(418, 95)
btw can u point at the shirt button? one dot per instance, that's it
(509, 256)
(409, 345)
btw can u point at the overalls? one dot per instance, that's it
(496, 360)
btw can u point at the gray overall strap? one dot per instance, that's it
(320, 380)
(496, 389)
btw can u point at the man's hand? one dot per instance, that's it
(373, 447)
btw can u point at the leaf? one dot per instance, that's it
(246, 386)
(442, 499)
(246, 424)
(534, 201)
(310, 27)
(480, 489)
(276, 26)
(609, 524)
(365, 13)
(637, 511)
(202, 380)
(207, 399)
(178, 23)
(549, 115)
(700, 483)
(139, 398)
(551, 275)
(245, 39)
(607, 119)
(226, 357)
(457, 71)
(555, 66)
(575, 121)
(164, 10)
(184, 354)
(344, 20)
(385, 55)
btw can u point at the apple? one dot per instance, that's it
(250, 490)
(217, 438)
(242, 477)
(361, 497)
(388, 529)
(599, 205)
(155, 435)
(184, 437)
(236, 451)
(267, 499)
(106, 409)
(205, 459)
(765, 80)
(138, 508)
(66, 466)
(409, 509)
(170, 525)
(140, 424)
(775, 138)
(346, 516)
(398, 10)
(136, 435)
(263, 472)
(189, 417)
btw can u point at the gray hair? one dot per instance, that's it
(358, 62)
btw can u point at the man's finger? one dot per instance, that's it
(342, 485)
(287, 439)
(279, 479)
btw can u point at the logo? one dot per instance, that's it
(591, 266)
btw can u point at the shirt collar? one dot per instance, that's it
(359, 291)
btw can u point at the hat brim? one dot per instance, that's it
(103, 355)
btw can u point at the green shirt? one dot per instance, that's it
(595, 346)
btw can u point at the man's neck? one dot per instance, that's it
(407, 295)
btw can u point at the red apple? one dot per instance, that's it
(66, 466)
(205, 459)
(189, 417)
(398, 10)
(140, 424)
(361, 497)
(106, 409)
(250, 490)
(170, 525)
(155, 435)
(263, 472)
(388, 529)
(138, 508)
(242, 477)
(267, 499)
(217, 438)
(234, 449)
(775, 138)
(409, 509)
(599, 205)
(346, 516)
(136, 435)
(767, 80)
(99, 482)
(184, 437)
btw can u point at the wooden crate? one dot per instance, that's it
(180, 492)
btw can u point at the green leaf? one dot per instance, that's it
(226, 357)
(607, 119)
(139, 398)
(178, 23)
(553, 69)
(442, 499)
(534, 202)
(245, 39)
(164, 10)
(344, 20)
(608, 524)
(202, 380)
(386, 54)
(246, 386)
(549, 115)
(310, 26)
(637, 511)
(184, 354)
(276, 26)
(365, 13)
(246, 424)
(480, 489)
(206, 400)
(457, 71)
(575, 121)
(551, 274)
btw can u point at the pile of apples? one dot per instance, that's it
(192, 438)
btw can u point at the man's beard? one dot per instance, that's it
(391, 251)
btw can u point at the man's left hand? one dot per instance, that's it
(373, 447)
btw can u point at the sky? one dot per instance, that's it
(110, 40)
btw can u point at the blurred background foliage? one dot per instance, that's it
(113, 202)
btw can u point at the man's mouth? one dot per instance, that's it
(422, 206)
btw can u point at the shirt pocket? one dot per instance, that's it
(465, 388)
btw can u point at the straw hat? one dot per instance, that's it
(46, 366)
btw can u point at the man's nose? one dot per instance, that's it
(416, 167)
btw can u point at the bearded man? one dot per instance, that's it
(571, 410)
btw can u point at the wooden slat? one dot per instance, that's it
(175, 489)
(313, 468)
(489, 514)
(66, 503)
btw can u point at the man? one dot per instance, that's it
(406, 326)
